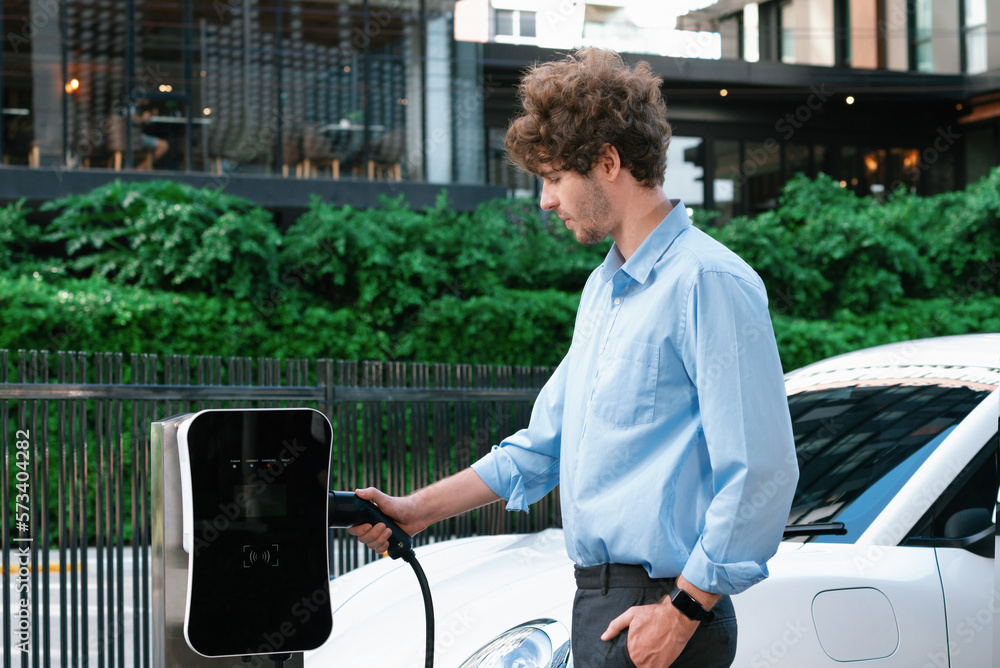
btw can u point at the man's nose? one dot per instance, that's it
(548, 201)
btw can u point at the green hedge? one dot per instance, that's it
(825, 249)
(169, 236)
(93, 314)
(802, 341)
(160, 267)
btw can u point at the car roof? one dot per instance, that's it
(969, 357)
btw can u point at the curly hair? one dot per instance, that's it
(574, 106)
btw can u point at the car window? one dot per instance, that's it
(966, 507)
(857, 445)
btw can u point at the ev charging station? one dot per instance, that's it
(240, 501)
(239, 548)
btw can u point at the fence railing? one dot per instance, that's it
(75, 487)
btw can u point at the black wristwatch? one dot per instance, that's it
(689, 607)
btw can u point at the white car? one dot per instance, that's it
(887, 560)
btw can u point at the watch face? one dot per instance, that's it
(688, 606)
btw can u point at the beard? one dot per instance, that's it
(594, 217)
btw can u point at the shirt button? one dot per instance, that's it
(618, 300)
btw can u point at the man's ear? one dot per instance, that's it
(609, 163)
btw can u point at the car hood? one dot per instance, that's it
(480, 587)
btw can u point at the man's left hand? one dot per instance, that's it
(657, 633)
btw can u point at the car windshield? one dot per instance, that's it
(858, 445)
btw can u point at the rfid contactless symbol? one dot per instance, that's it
(266, 557)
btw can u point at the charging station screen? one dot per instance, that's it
(269, 502)
(259, 551)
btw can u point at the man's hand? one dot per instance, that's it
(446, 498)
(658, 633)
(401, 509)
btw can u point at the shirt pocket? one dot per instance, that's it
(625, 389)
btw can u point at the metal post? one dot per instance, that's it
(279, 46)
(2, 100)
(64, 56)
(367, 83)
(188, 11)
(423, 88)
(129, 78)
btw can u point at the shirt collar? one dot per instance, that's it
(651, 249)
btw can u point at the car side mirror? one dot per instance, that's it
(971, 529)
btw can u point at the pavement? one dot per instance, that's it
(110, 643)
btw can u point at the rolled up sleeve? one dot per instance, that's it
(525, 466)
(731, 355)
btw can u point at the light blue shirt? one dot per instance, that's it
(666, 423)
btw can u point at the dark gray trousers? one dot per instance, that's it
(604, 592)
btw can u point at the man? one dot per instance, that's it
(157, 145)
(667, 419)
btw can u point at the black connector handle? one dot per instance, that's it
(347, 509)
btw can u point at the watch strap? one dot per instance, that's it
(689, 607)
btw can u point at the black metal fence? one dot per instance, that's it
(74, 478)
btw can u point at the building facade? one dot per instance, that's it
(279, 99)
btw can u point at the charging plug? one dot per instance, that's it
(347, 509)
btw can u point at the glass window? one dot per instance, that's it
(797, 160)
(975, 13)
(904, 166)
(751, 27)
(966, 507)
(875, 171)
(975, 36)
(857, 446)
(979, 149)
(762, 170)
(685, 171)
(976, 50)
(527, 23)
(769, 27)
(849, 167)
(505, 22)
(787, 42)
(728, 180)
(20, 146)
(937, 169)
(822, 157)
(842, 32)
(923, 18)
(731, 31)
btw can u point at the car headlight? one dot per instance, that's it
(542, 643)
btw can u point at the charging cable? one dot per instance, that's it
(346, 509)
